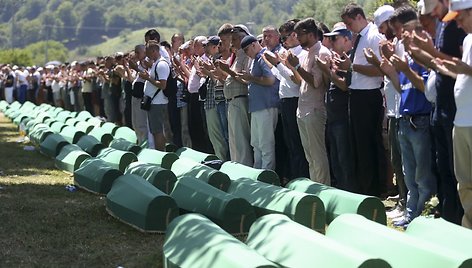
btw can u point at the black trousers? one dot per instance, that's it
(197, 125)
(174, 120)
(88, 105)
(366, 114)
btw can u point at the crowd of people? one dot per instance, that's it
(356, 107)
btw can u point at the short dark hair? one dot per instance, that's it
(153, 34)
(288, 26)
(178, 35)
(404, 14)
(225, 29)
(165, 44)
(308, 25)
(351, 10)
(152, 45)
(138, 47)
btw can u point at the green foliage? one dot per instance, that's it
(19, 57)
(44, 51)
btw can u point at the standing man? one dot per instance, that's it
(235, 91)
(311, 112)
(156, 81)
(263, 101)
(366, 103)
(289, 91)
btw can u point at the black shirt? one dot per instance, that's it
(337, 103)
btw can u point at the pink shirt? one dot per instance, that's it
(312, 98)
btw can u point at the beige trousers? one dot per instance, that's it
(462, 142)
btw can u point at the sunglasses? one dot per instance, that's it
(284, 38)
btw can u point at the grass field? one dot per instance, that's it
(124, 42)
(44, 225)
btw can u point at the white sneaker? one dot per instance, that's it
(397, 212)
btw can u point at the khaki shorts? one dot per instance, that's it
(157, 117)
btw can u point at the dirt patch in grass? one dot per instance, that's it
(44, 225)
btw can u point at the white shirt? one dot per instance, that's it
(162, 69)
(462, 89)
(288, 89)
(370, 38)
(87, 85)
(21, 76)
(392, 96)
(195, 81)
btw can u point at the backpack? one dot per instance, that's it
(171, 84)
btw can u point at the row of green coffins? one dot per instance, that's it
(304, 208)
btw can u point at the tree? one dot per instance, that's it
(16, 57)
(52, 49)
(65, 13)
(92, 25)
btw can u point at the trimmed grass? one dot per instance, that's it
(44, 225)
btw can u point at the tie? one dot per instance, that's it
(351, 57)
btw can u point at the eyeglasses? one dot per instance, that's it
(284, 38)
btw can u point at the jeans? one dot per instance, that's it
(222, 109)
(22, 93)
(415, 147)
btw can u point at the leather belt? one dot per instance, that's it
(235, 97)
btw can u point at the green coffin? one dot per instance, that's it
(161, 178)
(39, 134)
(125, 145)
(52, 145)
(95, 121)
(17, 120)
(3, 105)
(71, 134)
(72, 122)
(101, 135)
(56, 111)
(236, 171)
(70, 158)
(152, 156)
(397, 248)
(95, 175)
(441, 232)
(28, 105)
(83, 116)
(109, 128)
(233, 214)
(127, 134)
(195, 155)
(338, 202)
(13, 113)
(63, 116)
(138, 203)
(190, 168)
(50, 121)
(171, 148)
(303, 208)
(90, 145)
(116, 158)
(193, 241)
(84, 127)
(285, 242)
(57, 126)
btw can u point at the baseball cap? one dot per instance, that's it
(247, 40)
(213, 40)
(240, 28)
(340, 30)
(454, 6)
(382, 14)
(428, 6)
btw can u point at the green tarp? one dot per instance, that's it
(72, 122)
(158, 176)
(90, 145)
(125, 145)
(152, 156)
(70, 158)
(290, 244)
(95, 175)
(236, 171)
(303, 208)
(397, 248)
(39, 133)
(442, 232)
(193, 241)
(136, 202)
(116, 158)
(127, 134)
(52, 145)
(71, 134)
(187, 167)
(195, 155)
(101, 135)
(338, 202)
(233, 214)
(95, 121)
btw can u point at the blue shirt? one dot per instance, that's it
(261, 97)
(413, 101)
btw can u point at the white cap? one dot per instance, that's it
(382, 14)
(454, 6)
(428, 6)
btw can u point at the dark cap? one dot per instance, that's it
(247, 40)
(212, 40)
(340, 31)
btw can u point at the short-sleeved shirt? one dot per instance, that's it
(445, 108)
(413, 101)
(233, 87)
(369, 38)
(261, 97)
(159, 71)
(312, 98)
(87, 85)
(463, 89)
